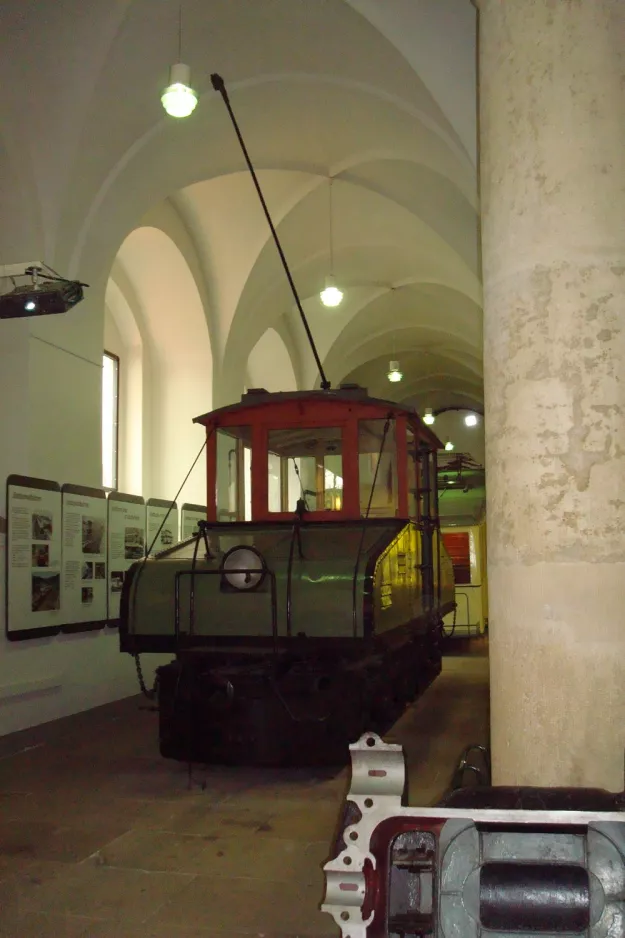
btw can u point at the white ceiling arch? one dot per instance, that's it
(287, 124)
(378, 94)
(372, 235)
(433, 319)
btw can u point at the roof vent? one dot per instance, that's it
(348, 386)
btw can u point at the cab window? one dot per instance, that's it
(305, 464)
(377, 468)
(234, 474)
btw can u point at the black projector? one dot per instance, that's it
(45, 298)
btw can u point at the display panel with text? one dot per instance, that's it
(84, 585)
(33, 558)
(126, 544)
(162, 524)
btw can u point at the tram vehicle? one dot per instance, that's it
(308, 607)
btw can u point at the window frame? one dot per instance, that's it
(116, 361)
(283, 412)
(240, 480)
(315, 513)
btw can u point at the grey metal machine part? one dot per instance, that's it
(455, 872)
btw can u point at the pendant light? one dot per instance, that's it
(331, 296)
(449, 446)
(428, 417)
(179, 99)
(394, 374)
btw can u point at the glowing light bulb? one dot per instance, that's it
(179, 98)
(470, 420)
(449, 446)
(394, 374)
(30, 305)
(429, 417)
(331, 296)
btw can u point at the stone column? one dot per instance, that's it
(552, 131)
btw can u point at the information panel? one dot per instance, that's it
(126, 544)
(189, 517)
(33, 558)
(162, 520)
(84, 591)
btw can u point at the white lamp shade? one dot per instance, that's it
(394, 374)
(331, 295)
(179, 98)
(428, 417)
(471, 420)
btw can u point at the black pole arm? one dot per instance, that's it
(218, 84)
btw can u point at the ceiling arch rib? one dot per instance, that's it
(230, 250)
(412, 249)
(382, 268)
(427, 194)
(420, 30)
(440, 316)
(205, 204)
(419, 371)
(304, 38)
(437, 395)
(289, 125)
(412, 355)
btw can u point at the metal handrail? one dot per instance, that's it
(458, 593)
(466, 598)
(219, 572)
(296, 534)
(482, 775)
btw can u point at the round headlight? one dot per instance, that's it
(243, 568)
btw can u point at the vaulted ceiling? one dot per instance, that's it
(378, 95)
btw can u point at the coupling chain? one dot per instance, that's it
(150, 694)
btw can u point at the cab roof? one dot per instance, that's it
(257, 398)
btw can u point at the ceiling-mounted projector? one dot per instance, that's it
(36, 290)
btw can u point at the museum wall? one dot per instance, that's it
(50, 398)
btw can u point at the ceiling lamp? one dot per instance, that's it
(428, 417)
(449, 446)
(179, 98)
(394, 374)
(331, 296)
(471, 420)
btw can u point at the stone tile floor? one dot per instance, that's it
(101, 838)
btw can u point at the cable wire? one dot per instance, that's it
(151, 693)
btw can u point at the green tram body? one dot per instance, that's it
(308, 608)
